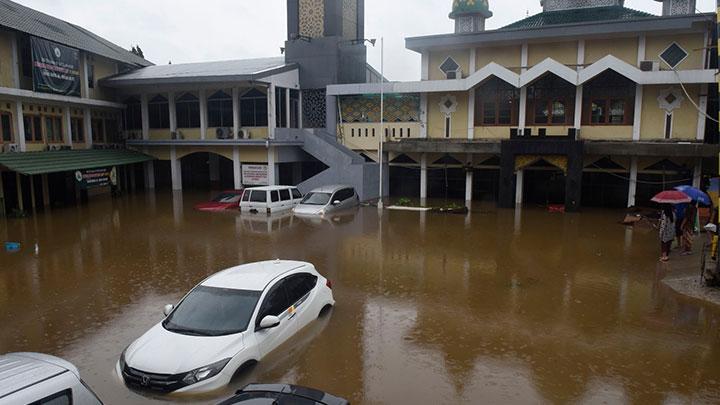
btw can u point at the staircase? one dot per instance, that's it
(344, 165)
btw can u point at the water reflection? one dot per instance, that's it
(496, 307)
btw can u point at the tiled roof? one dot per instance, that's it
(580, 15)
(24, 19)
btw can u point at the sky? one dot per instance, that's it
(184, 31)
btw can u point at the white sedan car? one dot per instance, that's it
(232, 319)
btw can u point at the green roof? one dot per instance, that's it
(467, 7)
(579, 15)
(32, 163)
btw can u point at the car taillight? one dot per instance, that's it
(328, 283)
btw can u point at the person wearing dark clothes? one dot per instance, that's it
(667, 231)
(679, 210)
(687, 225)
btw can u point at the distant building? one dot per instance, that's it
(585, 103)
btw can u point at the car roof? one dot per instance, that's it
(253, 276)
(284, 394)
(269, 188)
(331, 189)
(22, 370)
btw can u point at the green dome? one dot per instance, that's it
(470, 7)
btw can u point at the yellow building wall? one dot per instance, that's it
(508, 56)
(625, 49)
(691, 43)
(437, 58)
(685, 118)
(159, 134)
(493, 132)
(103, 68)
(251, 154)
(563, 52)
(607, 132)
(6, 68)
(436, 118)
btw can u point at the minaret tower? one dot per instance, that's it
(678, 7)
(470, 15)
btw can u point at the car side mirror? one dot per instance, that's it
(168, 308)
(269, 322)
(336, 202)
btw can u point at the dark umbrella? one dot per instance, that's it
(696, 194)
(672, 197)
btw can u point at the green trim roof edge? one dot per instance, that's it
(580, 15)
(32, 163)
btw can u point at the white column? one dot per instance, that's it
(642, 43)
(469, 185)
(87, 126)
(519, 187)
(287, 108)
(172, 112)
(424, 66)
(423, 115)
(85, 90)
(45, 190)
(236, 113)
(67, 126)
(423, 177)
(300, 109)
(15, 61)
(702, 114)
(471, 114)
(632, 188)
(19, 126)
(237, 168)
(203, 114)
(522, 113)
(271, 111)
(145, 116)
(472, 61)
(272, 181)
(175, 170)
(697, 176)
(578, 106)
(637, 114)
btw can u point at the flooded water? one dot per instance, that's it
(495, 307)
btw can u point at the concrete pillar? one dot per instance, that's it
(45, 190)
(519, 183)
(145, 116)
(331, 114)
(423, 177)
(175, 170)
(203, 114)
(702, 114)
(19, 126)
(287, 108)
(469, 185)
(632, 187)
(236, 112)
(172, 112)
(637, 120)
(149, 168)
(522, 113)
(67, 127)
(87, 126)
(33, 201)
(214, 162)
(271, 110)
(18, 181)
(272, 180)
(471, 113)
(237, 168)
(423, 115)
(85, 90)
(300, 109)
(2, 197)
(578, 106)
(697, 175)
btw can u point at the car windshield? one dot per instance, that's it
(316, 199)
(227, 198)
(210, 311)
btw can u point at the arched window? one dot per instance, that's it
(253, 109)
(609, 99)
(220, 110)
(496, 103)
(551, 101)
(187, 111)
(159, 113)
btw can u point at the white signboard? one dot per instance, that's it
(255, 175)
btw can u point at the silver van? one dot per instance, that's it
(327, 200)
(33, 378)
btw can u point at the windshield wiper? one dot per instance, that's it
(185, 331)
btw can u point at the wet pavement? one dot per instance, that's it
(496, 307)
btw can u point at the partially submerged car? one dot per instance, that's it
(282, 394)
(327, 200)
(270, 200)
(230, 320)
(227, 200)
(34, 378)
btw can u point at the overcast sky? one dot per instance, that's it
(196, 31)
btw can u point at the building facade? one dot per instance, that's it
(586, 103)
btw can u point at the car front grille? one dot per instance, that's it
(150, 381)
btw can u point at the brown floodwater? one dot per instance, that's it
(496, 307)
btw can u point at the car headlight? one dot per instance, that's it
(203, 373)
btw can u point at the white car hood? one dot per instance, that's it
(303, 209)
(162, 352)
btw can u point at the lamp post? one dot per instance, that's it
(382, 118)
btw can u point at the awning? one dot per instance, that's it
(32, 163)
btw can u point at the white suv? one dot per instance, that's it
(34, 378)
(232, 319)
(270, 199)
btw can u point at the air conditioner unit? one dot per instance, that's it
(454, 75)
(649, 66)
(223, 133)
(176, 135)
(56, 147)
(244, 134)
(11, 148)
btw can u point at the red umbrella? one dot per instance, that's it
(672, 197)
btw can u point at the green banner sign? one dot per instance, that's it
(95, 178)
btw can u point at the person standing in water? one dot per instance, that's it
(688, 229)
(667, 231)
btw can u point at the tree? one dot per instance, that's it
(137, 51)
